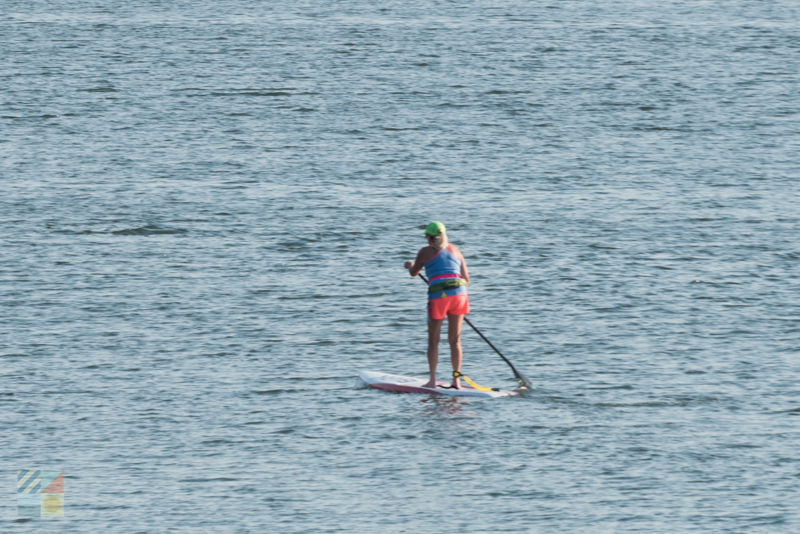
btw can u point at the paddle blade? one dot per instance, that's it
(524, 383)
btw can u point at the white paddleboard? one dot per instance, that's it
(409, 384)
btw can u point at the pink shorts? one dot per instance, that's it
(455, 305)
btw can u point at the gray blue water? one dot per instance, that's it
(204, 211)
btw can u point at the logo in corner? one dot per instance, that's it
(40, 493)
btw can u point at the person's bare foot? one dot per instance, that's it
(456, 384)
(430, 384)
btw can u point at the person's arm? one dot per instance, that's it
(416, 267)
(464, 270)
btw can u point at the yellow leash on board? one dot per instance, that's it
(457, 374)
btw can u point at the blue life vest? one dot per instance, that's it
(444, 275)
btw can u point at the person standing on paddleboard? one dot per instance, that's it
(448, 278)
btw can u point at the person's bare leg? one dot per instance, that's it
(454, 323)
(434, 330)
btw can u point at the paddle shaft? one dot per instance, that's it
(520, 378)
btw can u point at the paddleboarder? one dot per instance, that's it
(448, 278)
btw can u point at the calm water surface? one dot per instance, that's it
(205, 210)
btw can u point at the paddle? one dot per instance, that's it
(523, 382)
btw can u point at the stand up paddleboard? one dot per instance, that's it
(409, 384)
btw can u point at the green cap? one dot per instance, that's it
(435, 228)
